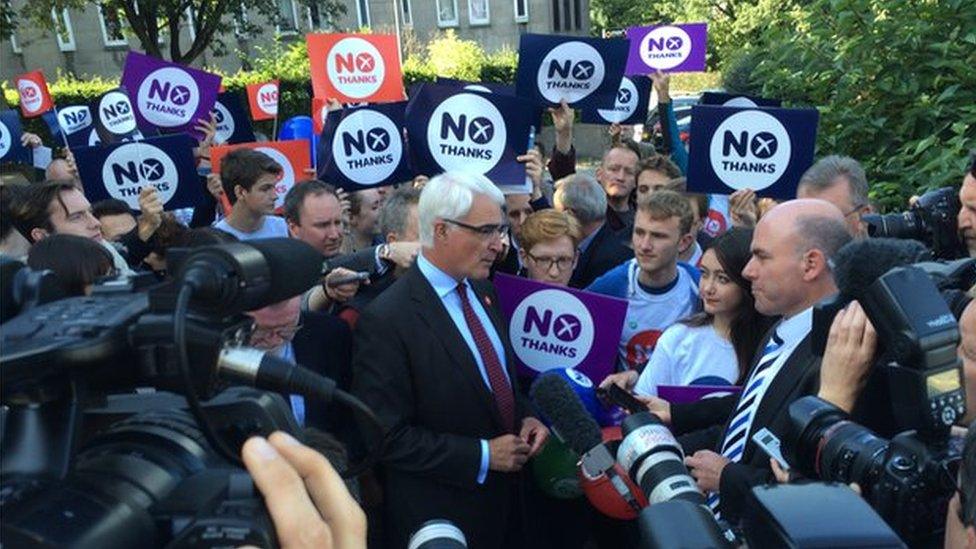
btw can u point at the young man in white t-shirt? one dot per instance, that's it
(249, 179)
(659, 290)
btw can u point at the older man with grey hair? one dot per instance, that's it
(839, 180)
(601, 248)
(434, 361)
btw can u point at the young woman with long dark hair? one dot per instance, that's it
(715, 346)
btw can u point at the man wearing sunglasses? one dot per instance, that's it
(433, 360)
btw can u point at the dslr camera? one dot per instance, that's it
(931, 220)
(916, 387)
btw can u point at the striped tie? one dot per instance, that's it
(735, 436)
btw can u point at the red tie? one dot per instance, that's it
(504, 398)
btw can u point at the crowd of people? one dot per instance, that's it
(406, 319)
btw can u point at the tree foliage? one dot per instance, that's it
(156, 24)
(894, 82)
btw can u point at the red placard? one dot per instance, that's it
(263, 99)
(354, 68)
(320, 109)
(35, 99)
(294, 157)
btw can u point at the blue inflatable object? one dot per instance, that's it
(300, 127)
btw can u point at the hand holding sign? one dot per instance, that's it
(150, 212)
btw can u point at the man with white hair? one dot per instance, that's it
(433, 360)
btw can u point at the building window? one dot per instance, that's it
(287, 17)
(111, 19)
(63, 31)
(447, 13)
(478, 12)
(362, 13)
(407, 11)
(521, 11)
(567, 15)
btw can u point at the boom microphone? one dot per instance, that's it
(559, 404)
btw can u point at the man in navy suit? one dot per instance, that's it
(433, 360)
(790, 273)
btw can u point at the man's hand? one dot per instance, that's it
(706, 466)
(342, 292)
(402, 254)
(535, 434)
(30, 140)
(847, 360)
(209, 130)
(507, 453)
(562, 121)
(533, 168)
(214, 186)
(657, 406)
(662, 84)
(615, 132)
(150, 212)
(743, 209)
(307, 500)
(624, 380)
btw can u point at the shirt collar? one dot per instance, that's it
(795, 328)
(585, 243)
(442, 282)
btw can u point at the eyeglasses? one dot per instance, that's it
(561, 263)
(484, 231)
(284, 332)
(855, 210)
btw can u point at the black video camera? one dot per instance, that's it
(82, 467)
(931, 220)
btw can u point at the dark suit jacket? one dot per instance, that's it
(606, 251)
(413, 368)
(702, 425)
(324, 345)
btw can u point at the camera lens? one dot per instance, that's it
(895, 225)
(437, 534)
(654, 459)
(823, 443)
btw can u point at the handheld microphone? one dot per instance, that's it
(860, 263)
(561, 406)
(604, 481)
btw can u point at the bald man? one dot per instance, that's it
(789, 271)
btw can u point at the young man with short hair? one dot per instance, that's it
(659, 290)
(249, 178)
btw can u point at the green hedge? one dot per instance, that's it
(446, 56)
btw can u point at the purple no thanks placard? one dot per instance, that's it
(169, 96)
(671, 48)
(556, 327)
(683, 394)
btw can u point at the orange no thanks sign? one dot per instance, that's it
(354, 68)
